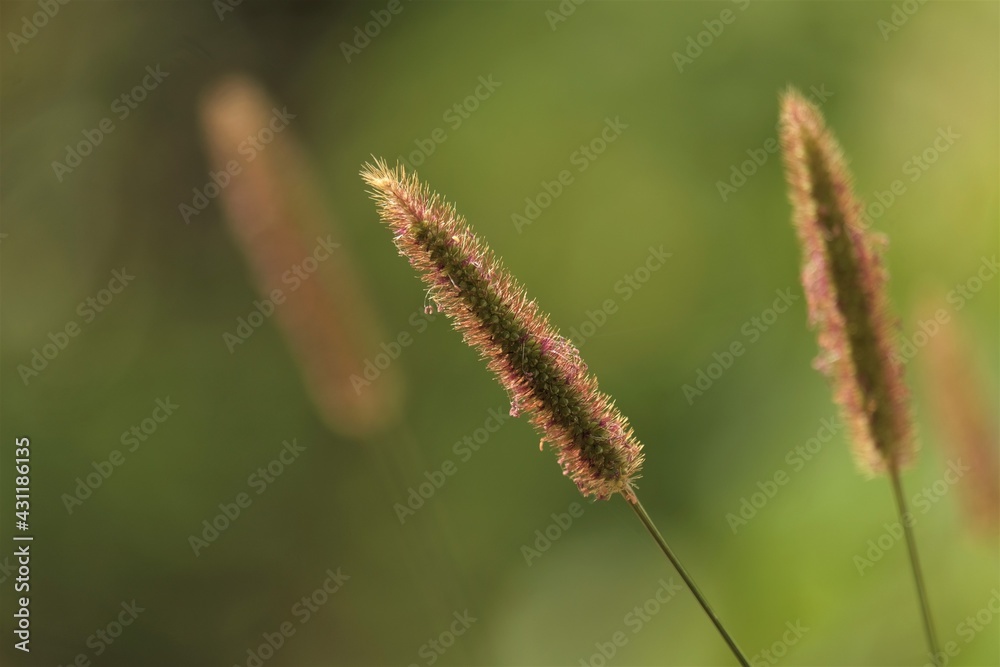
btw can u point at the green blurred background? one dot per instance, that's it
(464, 550)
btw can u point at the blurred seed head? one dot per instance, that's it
(276, 215)
(541, 370)
(967, 421)
(844, 282)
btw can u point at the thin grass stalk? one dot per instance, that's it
(844, 280)
(541, 370)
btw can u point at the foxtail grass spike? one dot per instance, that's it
(966, 416)
(844, 282)
(278, 218)
(541, 370)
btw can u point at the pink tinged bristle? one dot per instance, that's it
(542, 371)
(844, 283)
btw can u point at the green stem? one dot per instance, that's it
(640, 512)
(906, 519)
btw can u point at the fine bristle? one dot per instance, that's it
(844, 282)
(540, 369)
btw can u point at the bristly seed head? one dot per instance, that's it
(541, 371)
(844, 282)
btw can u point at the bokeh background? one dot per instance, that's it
(562, 71)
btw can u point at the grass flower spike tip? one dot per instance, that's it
(541, 370)
(844, 283)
